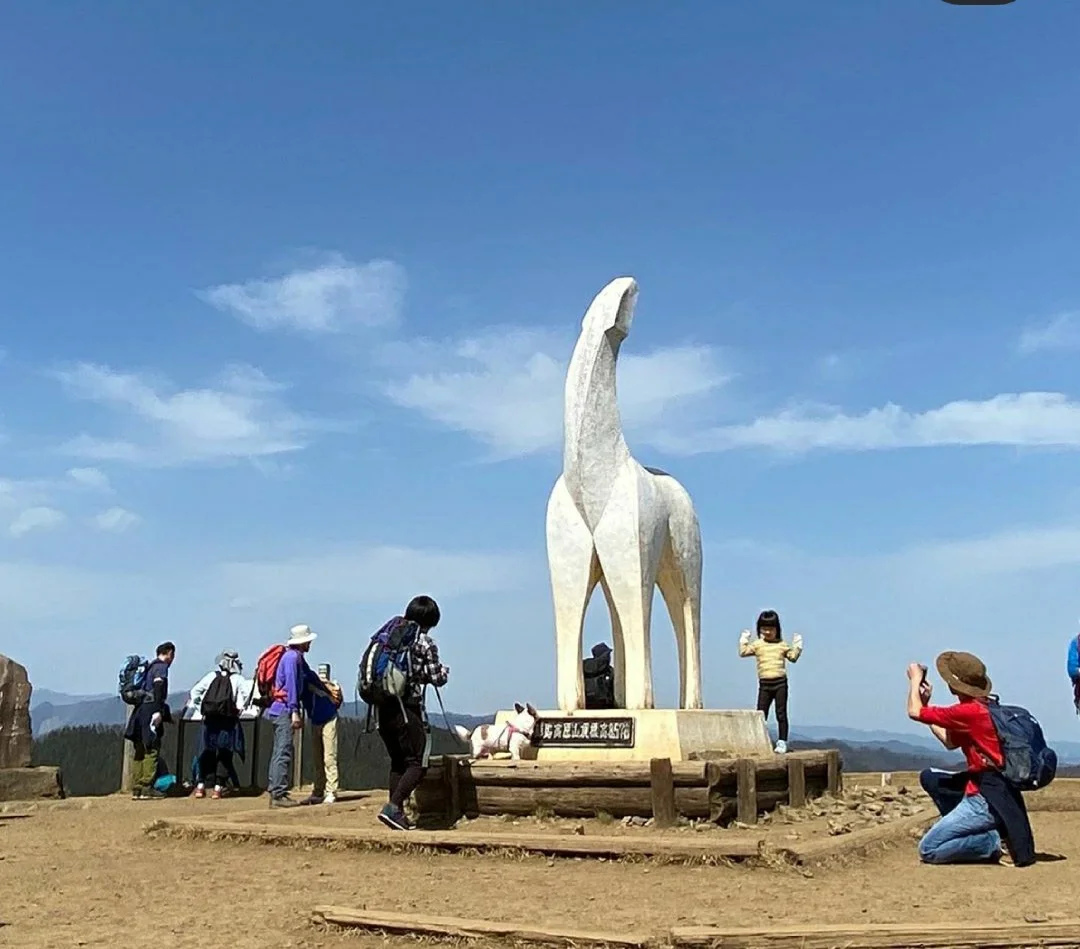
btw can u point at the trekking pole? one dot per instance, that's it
(446, 718)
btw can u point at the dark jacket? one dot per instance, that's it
(1007, 805)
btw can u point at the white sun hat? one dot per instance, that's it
(299, 635)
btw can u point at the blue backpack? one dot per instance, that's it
(386, 666)
(132, 681)
(1030, 763)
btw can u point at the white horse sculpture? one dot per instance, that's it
(613, 522)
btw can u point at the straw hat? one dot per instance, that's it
(301, 635)
(964, 673)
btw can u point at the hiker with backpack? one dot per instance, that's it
(1072, 666)
(144, 684)
(400, 662)
(281, 676)
(983, 815)
(321, 704)
(220, 697)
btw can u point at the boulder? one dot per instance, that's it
(31, 784)
(15, 735)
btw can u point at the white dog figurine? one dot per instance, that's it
(513, 737)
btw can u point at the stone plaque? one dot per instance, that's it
(15, 738)
(581, 732)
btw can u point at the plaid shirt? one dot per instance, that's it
(426, 669)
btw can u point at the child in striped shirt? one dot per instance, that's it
(772, 655)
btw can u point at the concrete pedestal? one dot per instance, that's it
(622, 735)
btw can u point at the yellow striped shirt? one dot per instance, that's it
(772, 658)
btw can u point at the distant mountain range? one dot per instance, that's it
(888, 750)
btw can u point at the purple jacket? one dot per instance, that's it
(292, 672)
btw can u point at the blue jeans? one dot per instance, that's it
(281, 756)
(967, 831)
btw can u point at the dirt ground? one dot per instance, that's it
(83, 873)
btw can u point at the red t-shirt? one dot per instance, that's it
(970, 727)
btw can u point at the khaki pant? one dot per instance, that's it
(324, 748)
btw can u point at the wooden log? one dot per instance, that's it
(687, 774)
(836, 779)
(671, 846)
(747, 791)
(455, 927)
(863, 840)
(887, 936)
(618, 802)
(663, 793)
(796, 774)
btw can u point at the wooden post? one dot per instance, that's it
(796, 776)
(663, 792)
(452, 780)
(129, 757)
(836, 778)
(298, 757)
(746, 776)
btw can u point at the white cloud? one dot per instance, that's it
(336, 296)
(34, 519)
(1061, 332)
(93, 478)
(116, 520)
(1026, 419)
(505, 388)
(241, 417)
(371, 574)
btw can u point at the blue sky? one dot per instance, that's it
(288, 299)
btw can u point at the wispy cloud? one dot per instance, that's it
(35, 519)
(115, 520)
(1027, 419)
(336, 296)
(241, 416)
(93, 478)
(505, 388)
(368, 575)
(1061, 332)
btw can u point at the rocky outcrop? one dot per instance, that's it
(15, 735)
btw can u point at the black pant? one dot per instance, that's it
(774, 690)
(405, 734)
(216, 767)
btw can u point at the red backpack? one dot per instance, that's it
(266, 674)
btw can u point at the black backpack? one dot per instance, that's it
(599, 679)
(218, 701)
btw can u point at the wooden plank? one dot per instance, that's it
(836, 779)
(796, 775)
(864, 839)
(663, 793)
(674, 847)
(885, 936)
(747, 791)
(454, 927)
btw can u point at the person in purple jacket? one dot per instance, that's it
(293, 676)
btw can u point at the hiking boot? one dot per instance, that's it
(136, 794)
(283, 801)
(313, 799)
(153, 794)
(394, 818)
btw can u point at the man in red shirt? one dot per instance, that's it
(968, 829)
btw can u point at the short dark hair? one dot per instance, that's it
(768, 618)
(423, 611)
(165, 648)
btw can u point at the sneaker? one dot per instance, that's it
(394, 818)
(153, 794)
(200, 792)
(217, 794)
(313, 799)
(330, 798)
(283, 801)
(781, 748)
(136, 794)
